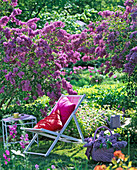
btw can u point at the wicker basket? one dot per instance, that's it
(102, 154)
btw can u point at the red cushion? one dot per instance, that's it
(52, 122)
(66, 108)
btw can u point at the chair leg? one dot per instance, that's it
(31, 142)
(52, 146)
(78, 127)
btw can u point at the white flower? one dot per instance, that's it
(18, 153)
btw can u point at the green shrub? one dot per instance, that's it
(31, 109)
(114, 95)
(84, 77)
(129, 132)
(97, 79)
(79, 83)
(133, 115)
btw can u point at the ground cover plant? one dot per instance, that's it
(112, 95)
(90, 118)
(32, 61)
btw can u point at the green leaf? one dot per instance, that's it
(101, 145)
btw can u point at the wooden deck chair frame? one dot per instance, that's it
(59, 134)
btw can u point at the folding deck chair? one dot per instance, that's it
(58, 135)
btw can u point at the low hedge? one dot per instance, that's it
(115, 95)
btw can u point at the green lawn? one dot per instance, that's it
(65, 156)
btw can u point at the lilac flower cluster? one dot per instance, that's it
(4, 20)
(2, 89)
(132, 61)
(104, 141)
(77, 69)
(14, 2)
(67, 86)
(107, 39)
(129, 3)
(106, 13)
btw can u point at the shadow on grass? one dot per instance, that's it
(64, 155)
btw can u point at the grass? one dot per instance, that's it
(65, 156)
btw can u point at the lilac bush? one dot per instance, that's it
(113, 38)
(32, 59)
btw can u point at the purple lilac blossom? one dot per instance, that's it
(133, 35)
(2, 89)
(16, 12)
(129, 2)
(4, 20)
(26, 85)
(20, 74)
